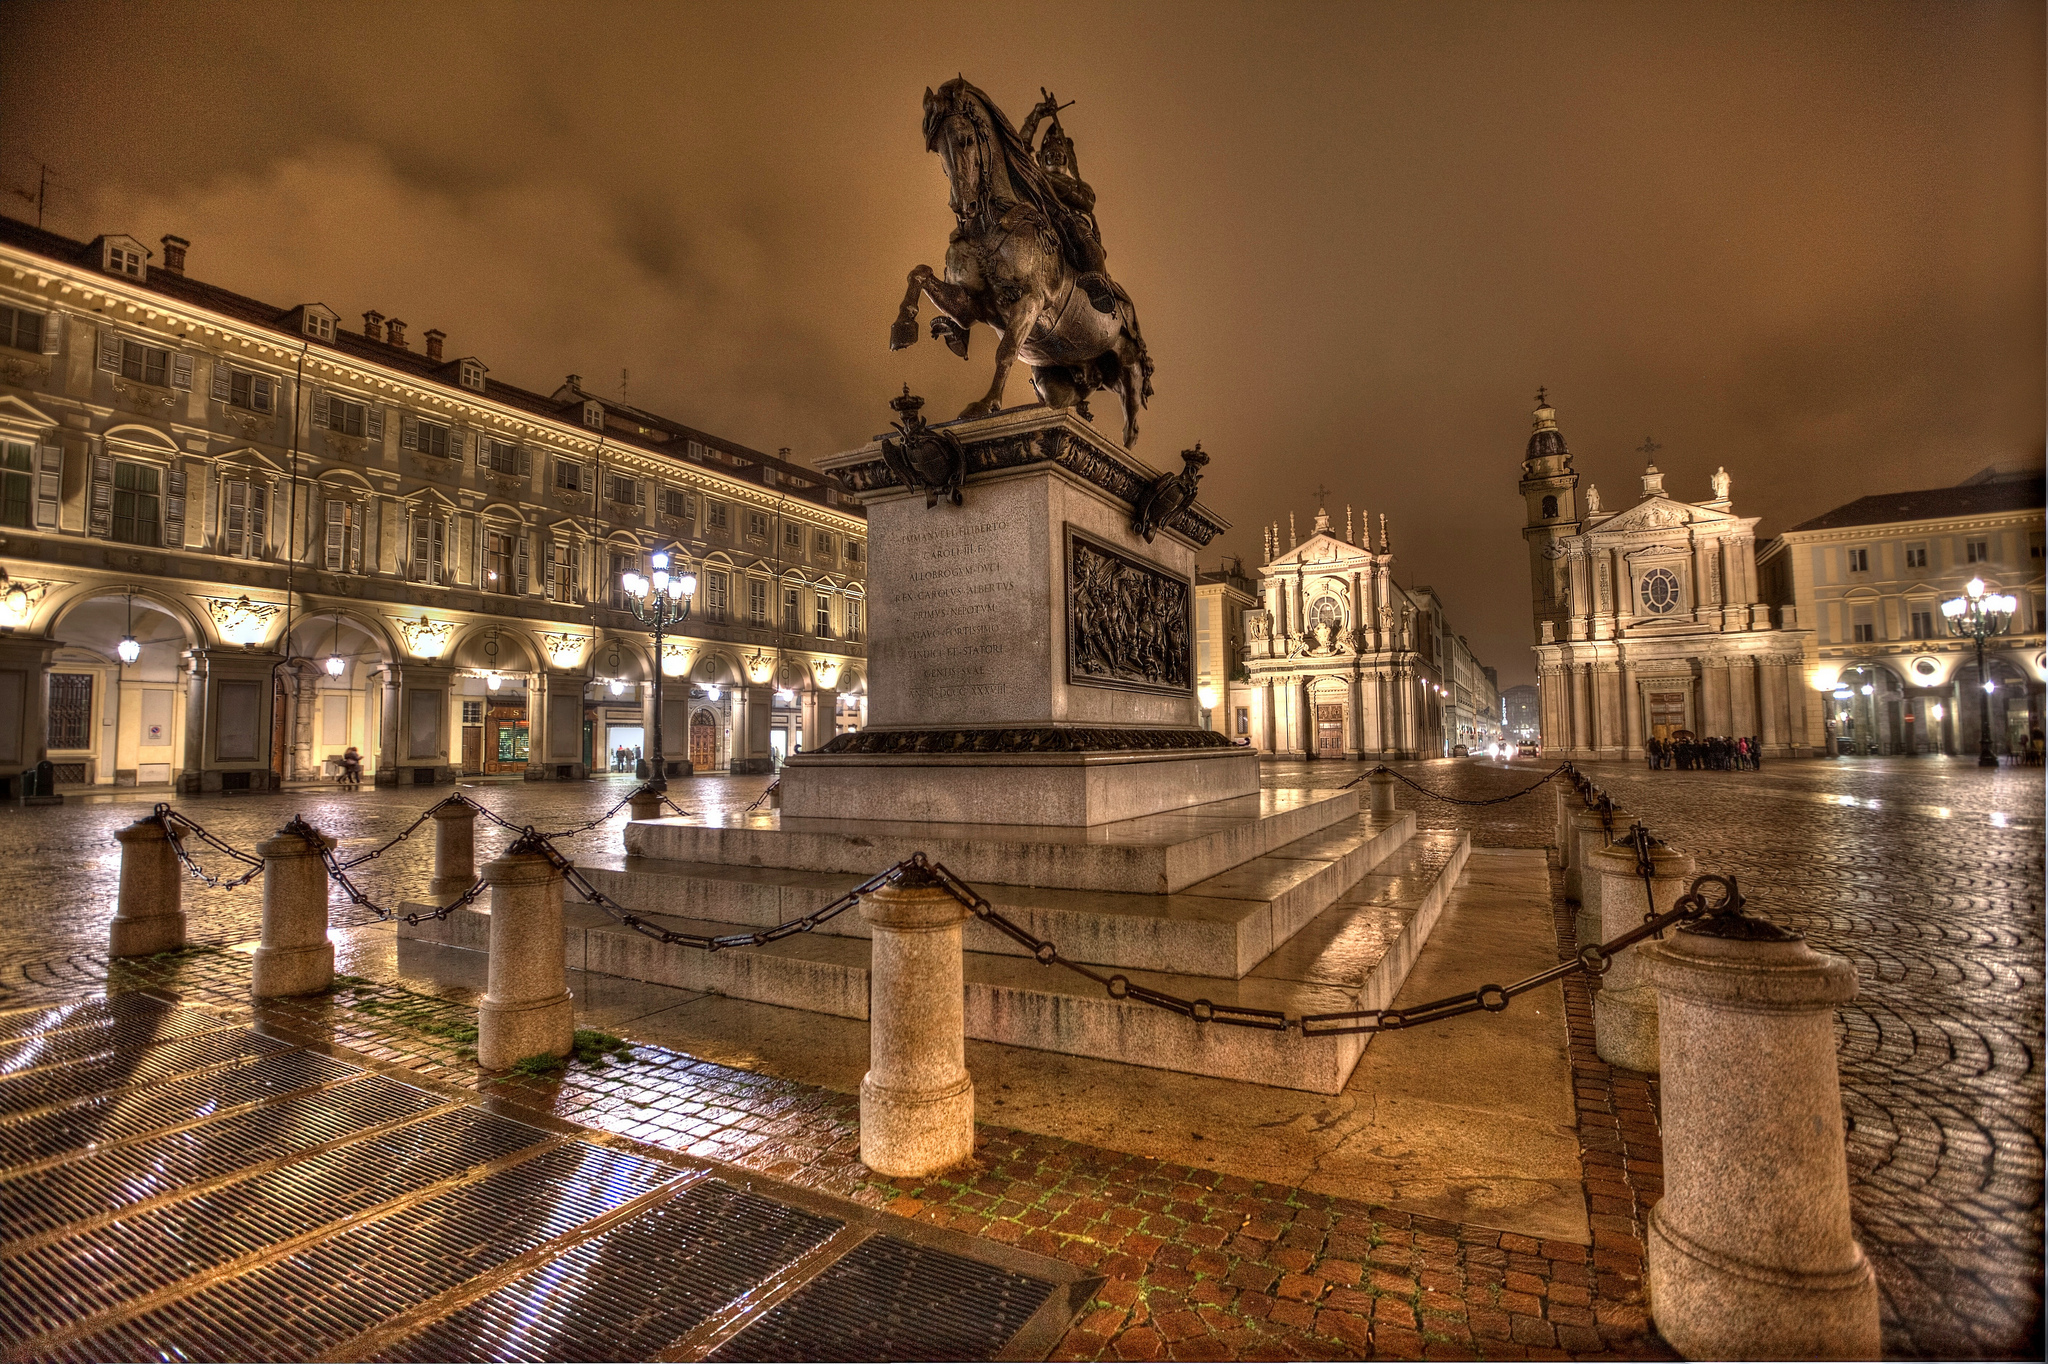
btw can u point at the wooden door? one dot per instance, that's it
(473, 749)
(703, 741)
(1329, 730)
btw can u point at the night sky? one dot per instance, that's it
(1805, 242)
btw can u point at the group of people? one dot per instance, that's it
(625, 758)
(1713, 754)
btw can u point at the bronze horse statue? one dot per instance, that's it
(1012, 262)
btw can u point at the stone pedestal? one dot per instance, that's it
(526, 1009)
(454, 850)
(1625, 1007)
(917, 1099)
(1587, 832)
(644, 805)
(1031, 657)
(295, 956)
(1588, 924)
(1566, 795)
(1380, 785)
(1751, 1252)
(149, 915)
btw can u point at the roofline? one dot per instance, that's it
(2034, 513)
(290, 345)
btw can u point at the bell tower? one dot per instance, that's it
(1551, 490)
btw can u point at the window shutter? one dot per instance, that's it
(354, 532)
(49, 486)
(376, 421)
(259, 509)
(101, 521)
(409, 432)
(53, 333)
(455, 443)
(524, 542)
(181, 371)
(337, 534)
(437, 531)
(639, 492)
(525, 461)
(547, 570)
(174, 508)
(110, 351)
(234, 517)
(483, 449)
(259, 395)
(419, 547)
(223, 381)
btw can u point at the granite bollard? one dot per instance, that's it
(454, 848)
(917, 1099)
(149, 915)
(1587, 832)
(1565, 796)
(1588, 924)
(526, 1009)
(295, 956)
(1381, 786)
(644, 804)
(1751, 1250)
(1625, 1007)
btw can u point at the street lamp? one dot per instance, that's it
(1977, 615)
(336, 664)
(660, 601)
(129, 649)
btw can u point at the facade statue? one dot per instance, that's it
(1592, 500)
(1722, 484)
(1026, 258)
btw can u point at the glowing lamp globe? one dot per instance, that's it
(336, 665)
(1207, 696)
(493, 681)
(128, 649)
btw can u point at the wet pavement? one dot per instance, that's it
(1926, 874)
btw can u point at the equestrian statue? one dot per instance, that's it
(1025, 257)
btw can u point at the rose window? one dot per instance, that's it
(1659, 591)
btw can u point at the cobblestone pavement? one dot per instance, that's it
(1937, 904)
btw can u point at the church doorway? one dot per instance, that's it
(1666, 713)
(1329, 729)
(703, 741)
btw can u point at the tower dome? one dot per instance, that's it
(1545, 440)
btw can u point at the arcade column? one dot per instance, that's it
(228, 716)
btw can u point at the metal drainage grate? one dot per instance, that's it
(890, 1299)
(86, 1012)
(69, 1280)
(109, 1180)
(637, 1288)
(112, 1117)
(328, 1294)
(100, 1037)
(41, 1087)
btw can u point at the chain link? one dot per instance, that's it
(172, 822)
(1560, 770)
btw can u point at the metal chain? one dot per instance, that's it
(762, 799)
(1551, 775)
(172, 821)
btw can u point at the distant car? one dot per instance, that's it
(1460, 751)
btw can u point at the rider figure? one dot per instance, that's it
(1083, 237)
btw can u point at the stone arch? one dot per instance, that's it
(495, 648)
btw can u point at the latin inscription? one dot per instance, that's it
(963, 584)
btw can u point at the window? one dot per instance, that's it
(1916, 556)
(1923, 625)
(1866, 632)
(564, 568)
(351, 419)
(568, 477)
(714, 514)
(593, 415)
(1978, 551)
(254, 392)
(138, 508)
(499, 456)
(319, 326)
(70, 710)
(243, 508)
(344, 553)
(473, 375)
(821, 616)
(675, 502)
(792, 536)
(715, 604)
(757, 525)
(430, 438)
(122, 261)
(619, 488)
(757, 601)
(792, 607)
(1549, 508)
(852, 609)
(2034, 544)
(145, 364)
(472, 712)
(853, 551)
(821, 544)
(497, 562)
(1859, 561)
(622, 564)
(1659, 591)
(21, 329)
(17, 484)
(429, 547)
(1244, 720)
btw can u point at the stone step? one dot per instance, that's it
(1156, 855)
(1223, 926)
(1352, 955)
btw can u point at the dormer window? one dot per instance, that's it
(593, 414)
(473, 375)
(318, 327)
(125, 260)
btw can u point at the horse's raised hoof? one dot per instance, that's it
(903, 333)
(952, 333)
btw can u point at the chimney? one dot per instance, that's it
(575, 381)
(394, 332)
(174, 253)
(372, 325)
(435, 336)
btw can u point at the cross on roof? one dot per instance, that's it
(1649, 448)
(1322, 493)
(1542, 398)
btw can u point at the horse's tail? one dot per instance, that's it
(1137, 339)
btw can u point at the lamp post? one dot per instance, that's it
(660, 601)
(1978, 615)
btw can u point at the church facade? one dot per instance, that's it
(1344, 662)
(1647, 618)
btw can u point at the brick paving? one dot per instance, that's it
(1202, 1265)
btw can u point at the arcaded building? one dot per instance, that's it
(1648, 620)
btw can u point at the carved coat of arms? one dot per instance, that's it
(922, 457)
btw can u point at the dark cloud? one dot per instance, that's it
(1803, 242)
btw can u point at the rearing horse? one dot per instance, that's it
(1006, 266)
